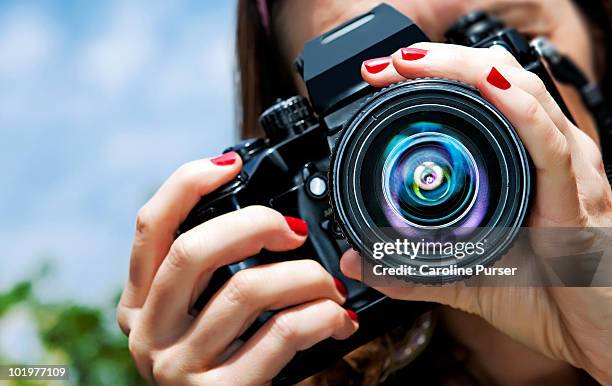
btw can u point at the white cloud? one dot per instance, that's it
(121, 50)
(217, 59)
(28, 40)
(199, 63)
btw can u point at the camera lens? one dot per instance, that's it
(430, 160)
(429, 178)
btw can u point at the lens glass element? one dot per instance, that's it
(429, 179)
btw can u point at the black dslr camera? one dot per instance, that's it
(363, 165)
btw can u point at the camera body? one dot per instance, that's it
(294, 169)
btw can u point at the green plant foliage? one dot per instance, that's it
(86, 339)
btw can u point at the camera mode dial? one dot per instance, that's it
(287, 118)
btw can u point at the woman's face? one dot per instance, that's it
(297, 21)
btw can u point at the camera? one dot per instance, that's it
(421, 159)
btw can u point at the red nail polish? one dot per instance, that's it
(225, 159)
(340, 286)
(498, 80)
(374, 66)
(413, 53)
(353, 315)
(297, 225)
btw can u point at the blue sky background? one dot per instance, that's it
(99, 102)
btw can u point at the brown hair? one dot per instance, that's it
(262, 72)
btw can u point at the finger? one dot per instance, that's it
(196, 254)
(250, 292)
(273, 346)
(533, 85)
(580, 145)
(557, 195)
(456, 295)
(380, 72)
(350, 264)
(438, 60)
(160, 217)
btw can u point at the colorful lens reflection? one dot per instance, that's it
(430, 180)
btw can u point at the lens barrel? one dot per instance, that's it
(430, 160)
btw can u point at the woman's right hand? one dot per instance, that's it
(172, 347)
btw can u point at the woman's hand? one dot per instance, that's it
(560, 21)
(170, 346)
(570, 324)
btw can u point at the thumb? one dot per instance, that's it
(455, 295)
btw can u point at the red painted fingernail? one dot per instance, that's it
(353, 315)
(297, 225)
(413, 53)
(340, 286)
(225, 159)
(498, 80)
(374, 66)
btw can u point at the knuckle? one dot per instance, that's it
(137, 349)
(262, 216)
(335, 316)
(502, 56)
(123, 320)
(284, 328)
(166, 369)
(314, 266)
(181, 253)
(329, 305)
(141, 353)
(216, 377)
(186, 171)
(317, 270)
(240, 288)
(532, 109)
(161, 371)
(133, 346)
(143, 220)
(562, 153)
(339, 322)
(189, 175)
(338, 313)
(558, 150)
(537, 87)
(550, 138)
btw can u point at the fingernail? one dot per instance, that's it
(340, 286)
(498, 80)
(413, 53)
(353, 315)
(225, 159)
(374, 66)
(297, 225)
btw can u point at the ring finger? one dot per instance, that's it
(250, 292)
(273, 346)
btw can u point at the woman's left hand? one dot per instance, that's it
(570, 324)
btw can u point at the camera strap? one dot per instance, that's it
(566, 71)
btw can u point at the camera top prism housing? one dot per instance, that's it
(362, 165)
